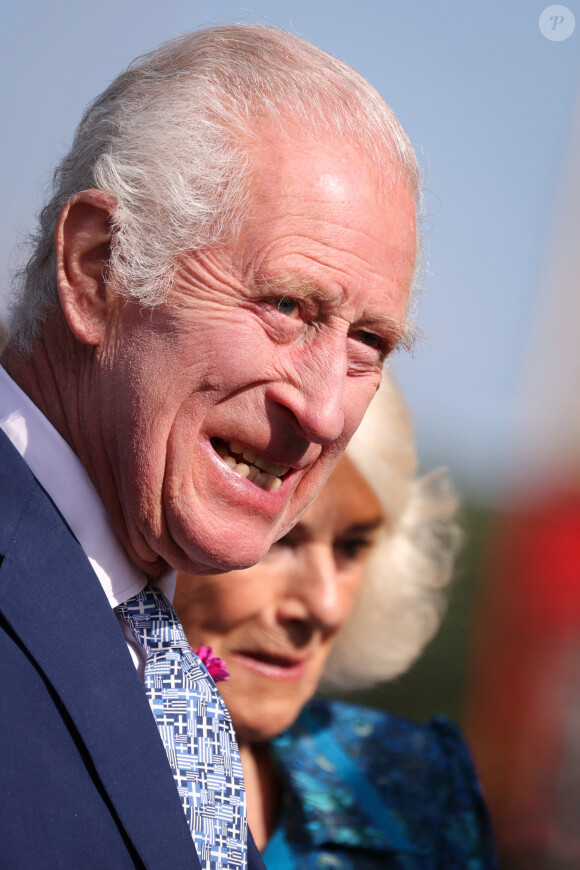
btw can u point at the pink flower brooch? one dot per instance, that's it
(215, 666)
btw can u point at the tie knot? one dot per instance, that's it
(153, 621)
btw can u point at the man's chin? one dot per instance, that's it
(218, 538)
(221, 556)
(147, 559)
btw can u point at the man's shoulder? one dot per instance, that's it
(17, 487)
(24, 503)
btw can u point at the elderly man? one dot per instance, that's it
(216, 282)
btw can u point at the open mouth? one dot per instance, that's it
(249, 464)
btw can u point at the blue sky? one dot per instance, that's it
(488, 102)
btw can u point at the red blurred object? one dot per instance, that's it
(523, 710)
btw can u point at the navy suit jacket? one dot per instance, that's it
(84, 779)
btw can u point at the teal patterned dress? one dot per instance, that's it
(365, 790)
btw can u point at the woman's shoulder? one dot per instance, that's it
(438, 741)
(421, 773)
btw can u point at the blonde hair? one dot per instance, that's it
(401, 600)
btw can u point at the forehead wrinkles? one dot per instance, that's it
(339, 245)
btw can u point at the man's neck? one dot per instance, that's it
(48, 377)
(57, 375)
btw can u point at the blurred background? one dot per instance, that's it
(490, 96)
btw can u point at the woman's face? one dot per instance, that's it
(275, 623)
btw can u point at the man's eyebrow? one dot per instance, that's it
(401, 333)
(298, 287)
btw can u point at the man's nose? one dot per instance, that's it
(315, 395)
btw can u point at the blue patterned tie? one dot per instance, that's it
(196, 730)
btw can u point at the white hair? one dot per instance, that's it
(401, 600)
(171, 140)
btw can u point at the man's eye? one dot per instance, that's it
(288, 306)
(369, 338)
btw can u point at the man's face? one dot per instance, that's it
(273, 345)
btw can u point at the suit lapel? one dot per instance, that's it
(53, 601)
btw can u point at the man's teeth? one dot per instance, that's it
(261, 471)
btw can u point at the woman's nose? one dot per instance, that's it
(313, 592)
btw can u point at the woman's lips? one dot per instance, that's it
(274, 667)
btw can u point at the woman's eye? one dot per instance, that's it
(285, 543)
(354, 548)
(288, 306)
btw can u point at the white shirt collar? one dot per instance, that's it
(59, 470)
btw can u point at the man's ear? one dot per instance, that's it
(83, 240)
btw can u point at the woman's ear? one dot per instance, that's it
(83, 242)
